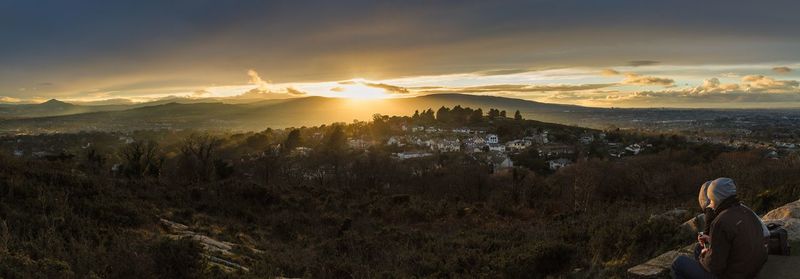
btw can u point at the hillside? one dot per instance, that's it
(269, 113)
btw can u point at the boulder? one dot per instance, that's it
(787, 216)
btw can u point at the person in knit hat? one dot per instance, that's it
(705, 205)
(735, 246)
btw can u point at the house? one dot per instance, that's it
(447, 145)
(586, 139)
(516, 145)
(461, 130)
(634, 148)
(559, 163)
(497, 147)
(412, 154)
(300, 151)
(394, 141)
(19, 153)
(554, 150)
(616, 153)
(492, 139)
(358, 143)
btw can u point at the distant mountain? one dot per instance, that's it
(276, 113)
(49, 108)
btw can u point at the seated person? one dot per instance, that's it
(735, 246)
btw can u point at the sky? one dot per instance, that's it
(611, 53)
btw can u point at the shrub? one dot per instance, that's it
(178, 258)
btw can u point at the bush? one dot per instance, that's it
(539, 260)
(178, 258)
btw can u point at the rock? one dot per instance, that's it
(695, 224)
(787, 216)
(659, 265)
(780, 267)
(210, 245)
(173, 226)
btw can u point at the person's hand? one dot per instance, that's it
(704, 252)
(704, 239)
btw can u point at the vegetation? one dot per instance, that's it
(333, 211)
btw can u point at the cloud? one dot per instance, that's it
(4, 99)
(760, 83)
(713, 85)
(293, 91)
(751, 91)
(782, 70)
(502, 72)
(256, 80)
(637, 63)
(519, 88)
(637, 79)
(388, 88)
(609, 72)
(393, 89)
(201, 93)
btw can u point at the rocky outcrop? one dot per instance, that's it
(215, 249)
(787, 216)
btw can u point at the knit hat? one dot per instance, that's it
(720, 189)
(702, 197)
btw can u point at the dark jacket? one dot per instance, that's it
(737, 242)
(708, 219)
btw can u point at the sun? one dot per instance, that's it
(363, 92)
(359, 89)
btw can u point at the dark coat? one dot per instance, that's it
(737, 242)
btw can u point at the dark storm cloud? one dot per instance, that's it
(81, 45)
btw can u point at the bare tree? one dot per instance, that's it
(198, 155)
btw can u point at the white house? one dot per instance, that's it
(497, 147)
(634, 148)
(447, 145)
(516, 145)
(358, 143)
(492, 139)
(394, 141)
(559, 163)
(412, 154)
(462, 130)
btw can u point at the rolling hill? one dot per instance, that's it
(259, 115)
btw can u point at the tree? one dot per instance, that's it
(198, 155)
(292, 141)
(517, 115)
(476, 116)
(493, 113)
(141, 158)
(443, 115)
(503, 114)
